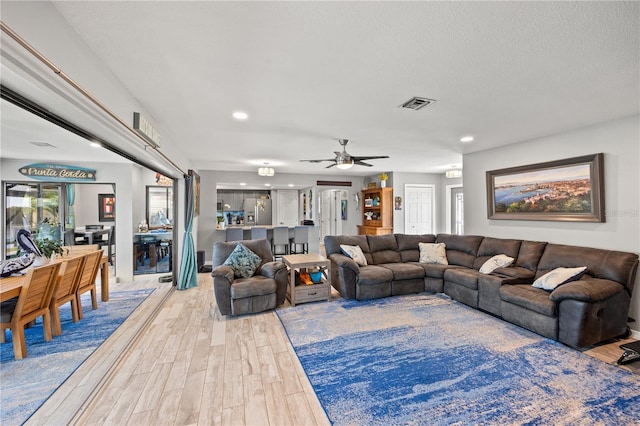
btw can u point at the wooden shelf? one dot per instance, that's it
(377, 212)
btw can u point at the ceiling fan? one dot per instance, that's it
(344, 160)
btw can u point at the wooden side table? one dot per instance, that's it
(312, 292)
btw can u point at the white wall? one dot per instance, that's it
(401, 179)
(85, 208)
(618, 140)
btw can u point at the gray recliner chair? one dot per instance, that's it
(265, 290)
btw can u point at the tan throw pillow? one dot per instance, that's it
(433, 253)
(497, 261)
(559, 276)
(354, 252)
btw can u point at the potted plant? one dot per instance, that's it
(383, 180)
(48, 248)
(220, 222)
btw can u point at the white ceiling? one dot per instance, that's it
(309, 73)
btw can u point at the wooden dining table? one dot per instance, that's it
(10, 287)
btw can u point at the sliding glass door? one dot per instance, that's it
(37, 207)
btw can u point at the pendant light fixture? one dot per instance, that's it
(266, 171)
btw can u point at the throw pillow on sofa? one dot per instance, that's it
(433, 253)
(354, 252)
(243, 261)
(497, 261)
(559, 276)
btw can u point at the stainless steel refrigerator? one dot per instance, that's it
(257, 211)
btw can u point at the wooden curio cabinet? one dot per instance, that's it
(377, 212)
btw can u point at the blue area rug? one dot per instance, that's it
(26, 384)
(425, 359)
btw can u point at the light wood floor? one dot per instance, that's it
(177, 361)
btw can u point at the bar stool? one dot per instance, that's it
(235, 234)
(300, 238)
(258, 233)
(280, 238)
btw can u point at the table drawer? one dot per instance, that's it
(310, 293)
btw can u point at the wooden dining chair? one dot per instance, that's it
(68, 281)
(33, 302)
(88, 280)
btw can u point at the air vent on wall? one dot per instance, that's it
(417, 103)
(43, 144)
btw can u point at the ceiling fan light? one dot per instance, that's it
(344, 163)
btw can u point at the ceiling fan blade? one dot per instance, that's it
(374, 157)
(362, 163)
(318, 161)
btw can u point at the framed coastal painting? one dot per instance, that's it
(564, 190)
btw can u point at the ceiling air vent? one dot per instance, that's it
(417, 103)
(43, 144)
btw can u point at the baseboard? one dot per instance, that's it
(635, 334)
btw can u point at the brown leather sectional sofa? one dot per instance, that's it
(579, 313)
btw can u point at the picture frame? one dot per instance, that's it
(371, 185)
(398, 203)
(343, 209)
(571, 190)
(106, 208)
(368, 202)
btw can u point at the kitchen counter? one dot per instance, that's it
(248, 227)
(314, 236)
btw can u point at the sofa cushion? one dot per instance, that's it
(494, 246)
(463, 276)
(497, 261)
(243, 261)
(607, 264)
(254, 286)
(373, 274)
(435, 270)
(408, 245)
(530, 254)
(558, 276)
(384, 249)
(332, 243)
(404, 271)
(355, 253)
(433, 253)
(532, 298)
(461, 249)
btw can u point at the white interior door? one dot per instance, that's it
(325, 214)
(331, 221)
(287, 207)
(419, 214)
(455, 209)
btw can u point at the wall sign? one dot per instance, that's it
(58, 173)
(145, 129)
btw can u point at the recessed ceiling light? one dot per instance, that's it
(243, 184)
(240, 115)
(466, 139)
(95, 144)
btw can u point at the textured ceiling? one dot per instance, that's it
(309, 73)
